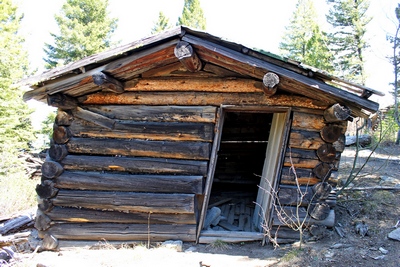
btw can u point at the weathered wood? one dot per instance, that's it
(108, 82)
(42, 221)
(304, 176)
(340, 145)
(129, 182)
(331, 133)
(307, 121)
(13, 239)
(199, 99)
(14, 224)
(305, 140)
(51, 169)
(321, 191)
(329, 221)
(187, 56)
(62, 101)
(323, 171)
(49, 242)
(94, 118)
(140, 148)
(270, 82)
(82, 215)
(363, 140)
(289, 195)
(122, 232)
(135, 165)
(319, 211)
(168, 131)
(58, 152)
(337, 113)
(301, 162)
(156, 114)
(126, 201)
(46, 189)
(210, 236)
(61, 134)
(326, 153)
(45, 204)
(63, 118)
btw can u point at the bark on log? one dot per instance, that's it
(127, 201)
(323, 171)
(108, 82)
(187, 56)
(337, 113)
(321, 191)
(61, 134)
(93, 117)
(319, 211)
(135, 165)
(46, 189)
(270, 83)
(171, 131)
(331, 133)
(131, 183)
(63, 118)
(326, 153)
(122, 232)
(58, 152)
(206, 114)
(140, 148)
(62, 101)
(51, 169)
(82, 215)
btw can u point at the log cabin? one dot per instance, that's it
(185, 135)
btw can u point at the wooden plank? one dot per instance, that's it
(216, 85)
(210, 236)
(122, 232)
(75, 215)
(126, 201)
(140, 148)
(198, 99)
(130, 182)
(93, 117)
(135, 165)
(171, 131)
(156, 114)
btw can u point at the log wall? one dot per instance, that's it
(126, 172)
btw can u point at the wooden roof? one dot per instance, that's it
(154, 57)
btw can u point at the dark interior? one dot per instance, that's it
(239, 165)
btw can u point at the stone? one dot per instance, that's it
(395, 234)
(173, 244)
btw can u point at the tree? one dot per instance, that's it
(192, 15)
(85, 29)
(16, 130)
(161, 24)
(347, 40)
(304, 41)
(396, 64)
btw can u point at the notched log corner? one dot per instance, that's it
(270, 83)
(108, 82)
(188, 57)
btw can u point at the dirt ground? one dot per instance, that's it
(378, 209)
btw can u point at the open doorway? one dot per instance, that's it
(238, 170)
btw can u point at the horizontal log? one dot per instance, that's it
(329, 221)
(210, 236)
(331, 133)
(289, 195)
(46, 189)
(301, 163)
(62, 101)
(305, 140)
(307, 121)
(51, 169)
(327, 153)
(156, 114)
(216, 85)
(61, 134)
(122, 232)
(14, 224)
(135, 165)
(74, 215)
(129, 182)
(58, 152)
(126, 201)
(63, 118)
(172, 131)
(94, 118)
(140, 148)
(304, 176)
(198, 99)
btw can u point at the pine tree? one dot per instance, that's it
(347, 40)
(161, 24)
(304, 41)
(85, 29)
(192, 15)
(16, 130)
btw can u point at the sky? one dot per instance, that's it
(253, 23)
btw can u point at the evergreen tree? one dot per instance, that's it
(85, 29)
(161, 24)
(16, 129)
(192, 15)
(347, 41)
(304, 41)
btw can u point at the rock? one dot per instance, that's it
(383, 251)
(4, 255)
(191, 249)
(173, 244)
(388, 181)
(362, 229)
(395, 234)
